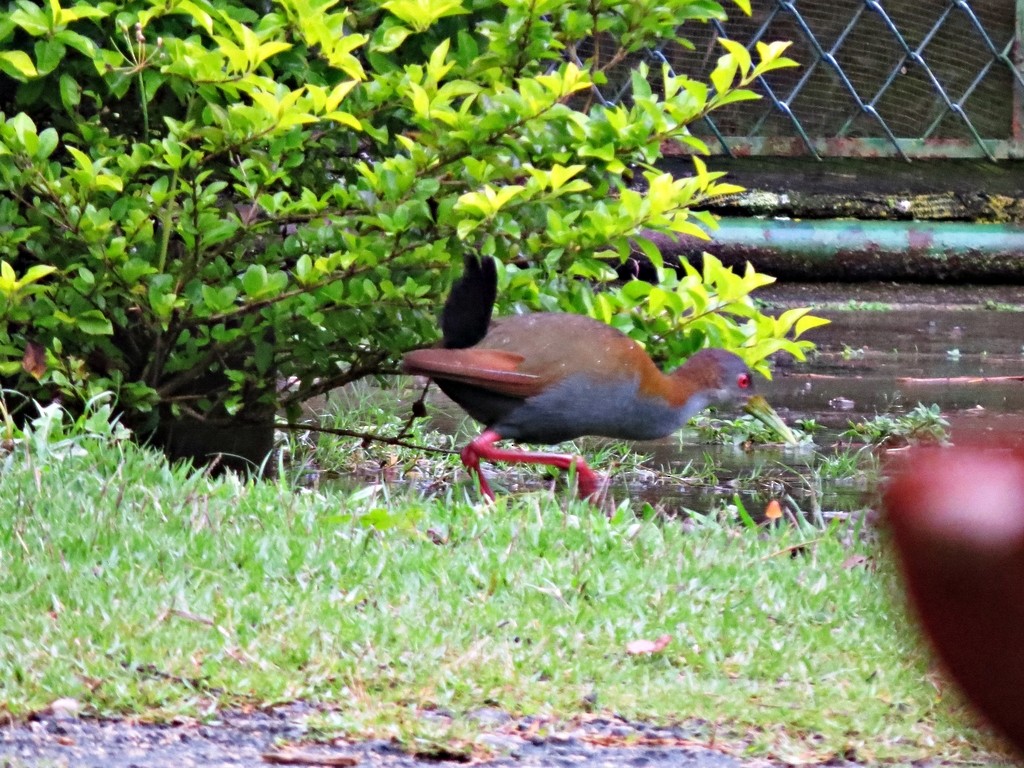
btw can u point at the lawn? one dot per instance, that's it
(140, 588)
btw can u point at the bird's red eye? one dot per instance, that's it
(743, 381)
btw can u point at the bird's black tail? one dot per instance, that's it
(467, 312)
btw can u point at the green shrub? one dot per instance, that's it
(202, 198)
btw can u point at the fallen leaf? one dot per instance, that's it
(436, 537)
(66, 707)
(34, 360)
(641, 647)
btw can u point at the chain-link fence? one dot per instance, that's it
(878, 78)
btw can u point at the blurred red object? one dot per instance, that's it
(957, 519)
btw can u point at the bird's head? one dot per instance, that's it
(723, 378)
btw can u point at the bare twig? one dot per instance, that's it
(293, 756)
(189, 616)
(366, 437)
(968, 380)
(418, 409)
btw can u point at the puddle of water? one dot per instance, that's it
(871, 362)
(930, 348)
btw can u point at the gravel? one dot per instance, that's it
(60, 737)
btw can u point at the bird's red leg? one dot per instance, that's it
(471, 460)
(482, 447)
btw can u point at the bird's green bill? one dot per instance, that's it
(758, 407)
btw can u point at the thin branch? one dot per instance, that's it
(369, 365)
(366, 437)
(418, 409)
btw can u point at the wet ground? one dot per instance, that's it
(894, 346)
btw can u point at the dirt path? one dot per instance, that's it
(260, 739)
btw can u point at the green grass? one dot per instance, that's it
(143, 589)
(924, 423)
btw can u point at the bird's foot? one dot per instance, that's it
(590, 485)
(471, 461)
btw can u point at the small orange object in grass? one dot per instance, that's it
(773, 511)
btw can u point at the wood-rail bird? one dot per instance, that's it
(548, 377)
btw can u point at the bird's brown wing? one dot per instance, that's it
(491, 369)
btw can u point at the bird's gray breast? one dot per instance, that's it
(582, 405)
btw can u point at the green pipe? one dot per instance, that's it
(868, 250)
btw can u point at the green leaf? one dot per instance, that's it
(723, 74)
(162, 299)
(420, 101)
(17, 64)
(94, 323)
(36, 272)
(8, 279)
(731, 97)
(739, 53)
(438, 65)
(263, 357)
(346, 119)
(560, 174)
(32, 19)
(70, 92)
(305, 273)
(772, 52)
(198, 15)
(390, 38)
(219, 299)
(25, 132)
(79, 42)
(49, 53)
(421, 14)
(77, 12)
(650, 250)
(254, 281)
(48, 141)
